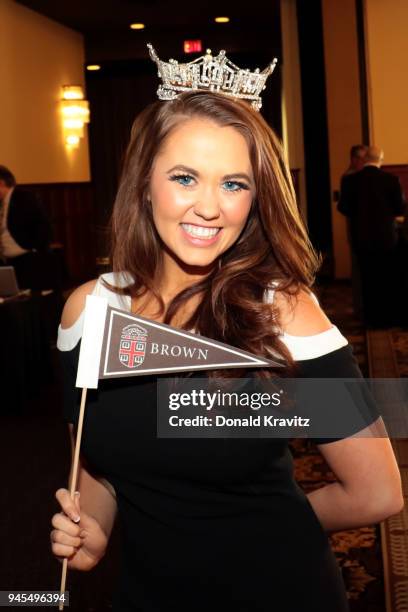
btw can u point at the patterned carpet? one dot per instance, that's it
(358, 551)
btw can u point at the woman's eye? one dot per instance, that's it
(234, 186)
(183, 179)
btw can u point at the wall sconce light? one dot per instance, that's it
(75, 113)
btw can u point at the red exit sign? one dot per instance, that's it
(193, 46)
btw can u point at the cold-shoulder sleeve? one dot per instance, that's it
(328, 355)
(71, 394)
(69, 341)
(68, 344)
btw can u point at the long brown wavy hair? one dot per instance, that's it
(273, 245)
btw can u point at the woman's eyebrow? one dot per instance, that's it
(183, 169)
(226, 177)
(242, 175)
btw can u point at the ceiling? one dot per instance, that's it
(97, 15)
(105, 24)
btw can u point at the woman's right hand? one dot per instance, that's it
(76, 535)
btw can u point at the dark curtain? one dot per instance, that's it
(310, 30)
(116, 94)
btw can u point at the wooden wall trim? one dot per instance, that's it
(70, 207)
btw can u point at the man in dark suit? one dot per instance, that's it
(372, 199)
(25, 234)
(357, 161)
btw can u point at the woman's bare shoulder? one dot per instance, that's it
(76, 303)
(301, 314)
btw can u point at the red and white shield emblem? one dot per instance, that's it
(132, 348)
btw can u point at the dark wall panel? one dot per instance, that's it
(310, 30)
(71, 211)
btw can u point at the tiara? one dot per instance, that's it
(208, 73)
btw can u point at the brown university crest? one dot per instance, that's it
(132, 347)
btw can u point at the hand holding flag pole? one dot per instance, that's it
(87, 377)
(118, 343)
(73, 483)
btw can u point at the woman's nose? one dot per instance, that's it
(207, 205)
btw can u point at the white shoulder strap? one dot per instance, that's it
(97, 288)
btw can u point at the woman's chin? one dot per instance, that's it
(193, 262)
(197, 265)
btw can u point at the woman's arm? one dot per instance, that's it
(368, 487)
(82, 530)
(97, 496)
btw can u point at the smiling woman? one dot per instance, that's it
(206, 235)
(206, 216)
(200, 210)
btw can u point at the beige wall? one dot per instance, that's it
(343, 108)
(386, 24)
(292, 118)
(37, 57)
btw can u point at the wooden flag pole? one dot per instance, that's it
(73, 484)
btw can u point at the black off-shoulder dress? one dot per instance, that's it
(207, 524)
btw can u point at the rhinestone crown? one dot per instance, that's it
(208, 73)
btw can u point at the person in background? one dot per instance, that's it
(357, 159)
(372, 199)
(25, 234)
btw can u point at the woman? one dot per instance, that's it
(206, 227)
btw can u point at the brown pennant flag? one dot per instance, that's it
(119, 343)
